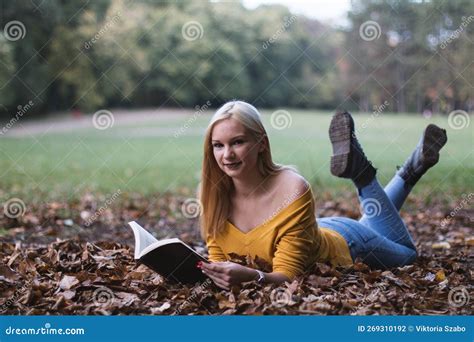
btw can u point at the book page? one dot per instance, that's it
(167, 242)
(157, 244)
(143, 239)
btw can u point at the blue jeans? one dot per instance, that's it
(380, 238)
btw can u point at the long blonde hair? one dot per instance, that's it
(215, 184)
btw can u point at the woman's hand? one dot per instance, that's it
(226, 273)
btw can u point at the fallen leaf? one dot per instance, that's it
(441, 245)
(165, 306)
(67, 282)
(440, 276)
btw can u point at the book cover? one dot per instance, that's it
(171, 258)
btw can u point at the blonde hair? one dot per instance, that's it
(215, 184)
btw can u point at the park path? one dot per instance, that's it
(67, 122)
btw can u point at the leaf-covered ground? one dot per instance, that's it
(52, 262)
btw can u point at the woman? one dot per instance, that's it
(252, 206)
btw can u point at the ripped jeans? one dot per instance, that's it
(380, 238)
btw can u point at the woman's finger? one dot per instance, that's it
(219, 282)
(215, 266)
(215, 274)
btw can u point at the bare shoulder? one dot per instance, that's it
(291, 182)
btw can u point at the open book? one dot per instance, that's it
(171, 258)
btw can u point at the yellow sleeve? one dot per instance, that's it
(215, 252)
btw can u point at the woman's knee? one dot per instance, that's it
(412, 256)
(383, 259)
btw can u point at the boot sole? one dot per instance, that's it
(340, 130)
(433, 140)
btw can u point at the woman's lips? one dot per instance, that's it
(232, 165)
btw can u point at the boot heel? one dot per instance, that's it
(348, 160)
(425, 155)
(339, 164)
(435, 139)
(340, 132)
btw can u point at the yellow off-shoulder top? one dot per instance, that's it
(290, 241)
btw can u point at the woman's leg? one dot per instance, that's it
(381, 238)
(349, 161)
(371, 247)
(381, 215)
(425, 156)
(396, 190)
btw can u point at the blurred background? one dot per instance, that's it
(86, 55)
(96, 95)
(103, 109)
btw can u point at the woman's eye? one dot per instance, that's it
(238, 142)
(216, 145)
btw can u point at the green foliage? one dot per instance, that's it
(418, 60)
(118, 53)
(6, 69)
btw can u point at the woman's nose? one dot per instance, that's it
(228, 153)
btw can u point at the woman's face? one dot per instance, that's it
(235, 151)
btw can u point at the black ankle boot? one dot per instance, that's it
(425, 155)
(348, 160)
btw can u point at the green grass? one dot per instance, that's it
(136, 158)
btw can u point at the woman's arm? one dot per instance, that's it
(225, 274)
(215, 252)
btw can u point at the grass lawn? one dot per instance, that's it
(145, 156)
